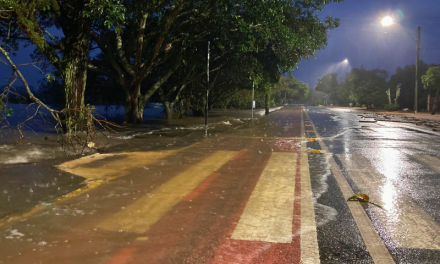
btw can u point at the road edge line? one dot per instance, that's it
(309, 234)
(375, 246)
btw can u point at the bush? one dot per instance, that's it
(392, 107)
(318, 102)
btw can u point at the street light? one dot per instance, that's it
(346, 61)
(388, 21)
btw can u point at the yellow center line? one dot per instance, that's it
(142, 214)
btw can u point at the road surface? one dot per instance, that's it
(273, 191)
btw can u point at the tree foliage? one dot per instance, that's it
(158, 48)
(432, 81)
(406, 76)
(288, 89)
(159, 38)
(328, 83)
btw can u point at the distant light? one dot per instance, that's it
(346, 60)
(387, 21)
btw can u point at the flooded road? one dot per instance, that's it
(269, 191)
(398, 166)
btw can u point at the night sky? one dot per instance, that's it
(360, 39)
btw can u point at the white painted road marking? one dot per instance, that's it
(141, 215)
(268, 214)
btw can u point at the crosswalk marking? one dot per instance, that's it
(408, 225)
(268, 214)
(141, 215)
(100, 166)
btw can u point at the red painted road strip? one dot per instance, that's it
(249, 252)
(205, 184)
(239, 154)
(124, 256)
(201, 188)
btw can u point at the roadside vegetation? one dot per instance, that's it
(375, 88)
(131, 52)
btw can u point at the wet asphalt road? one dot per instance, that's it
(398, 166)
(256, 194)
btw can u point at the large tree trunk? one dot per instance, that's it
(74, 85)
(135, 101)
(134, 108)
(436, 102)
(74, 73)
(266, 103)
(169, 111)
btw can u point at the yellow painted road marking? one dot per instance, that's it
(268, 214)
(309, 131)
(95, 176)
(408, 225)
(311, 139)
(141, 215)
(315, 151)
(277, 138)
(308, 125)
(110, 169)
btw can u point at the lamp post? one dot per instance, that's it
(388, 21)
(207, 94)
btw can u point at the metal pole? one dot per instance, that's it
(417, 68)
(285, 97)
(252, 100)
(207, 94)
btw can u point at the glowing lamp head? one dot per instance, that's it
(387, 21)
(346, 60)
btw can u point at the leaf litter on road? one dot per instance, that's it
(362, 197)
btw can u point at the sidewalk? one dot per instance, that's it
(424, 115)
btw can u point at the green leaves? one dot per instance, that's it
(50, 78)
(361, 197)
(111, 11)
(431, 80)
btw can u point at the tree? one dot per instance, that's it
(369, 87)
(289, 88)
(406, 77)
(328, 83)
(69, 55)
(432, 81)
(162, 37)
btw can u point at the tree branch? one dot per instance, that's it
(121, 53)
(28, 90)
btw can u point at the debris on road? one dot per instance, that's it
(362, 197)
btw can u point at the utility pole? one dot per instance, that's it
(253, 103)
(417, 68)
(207, 94)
